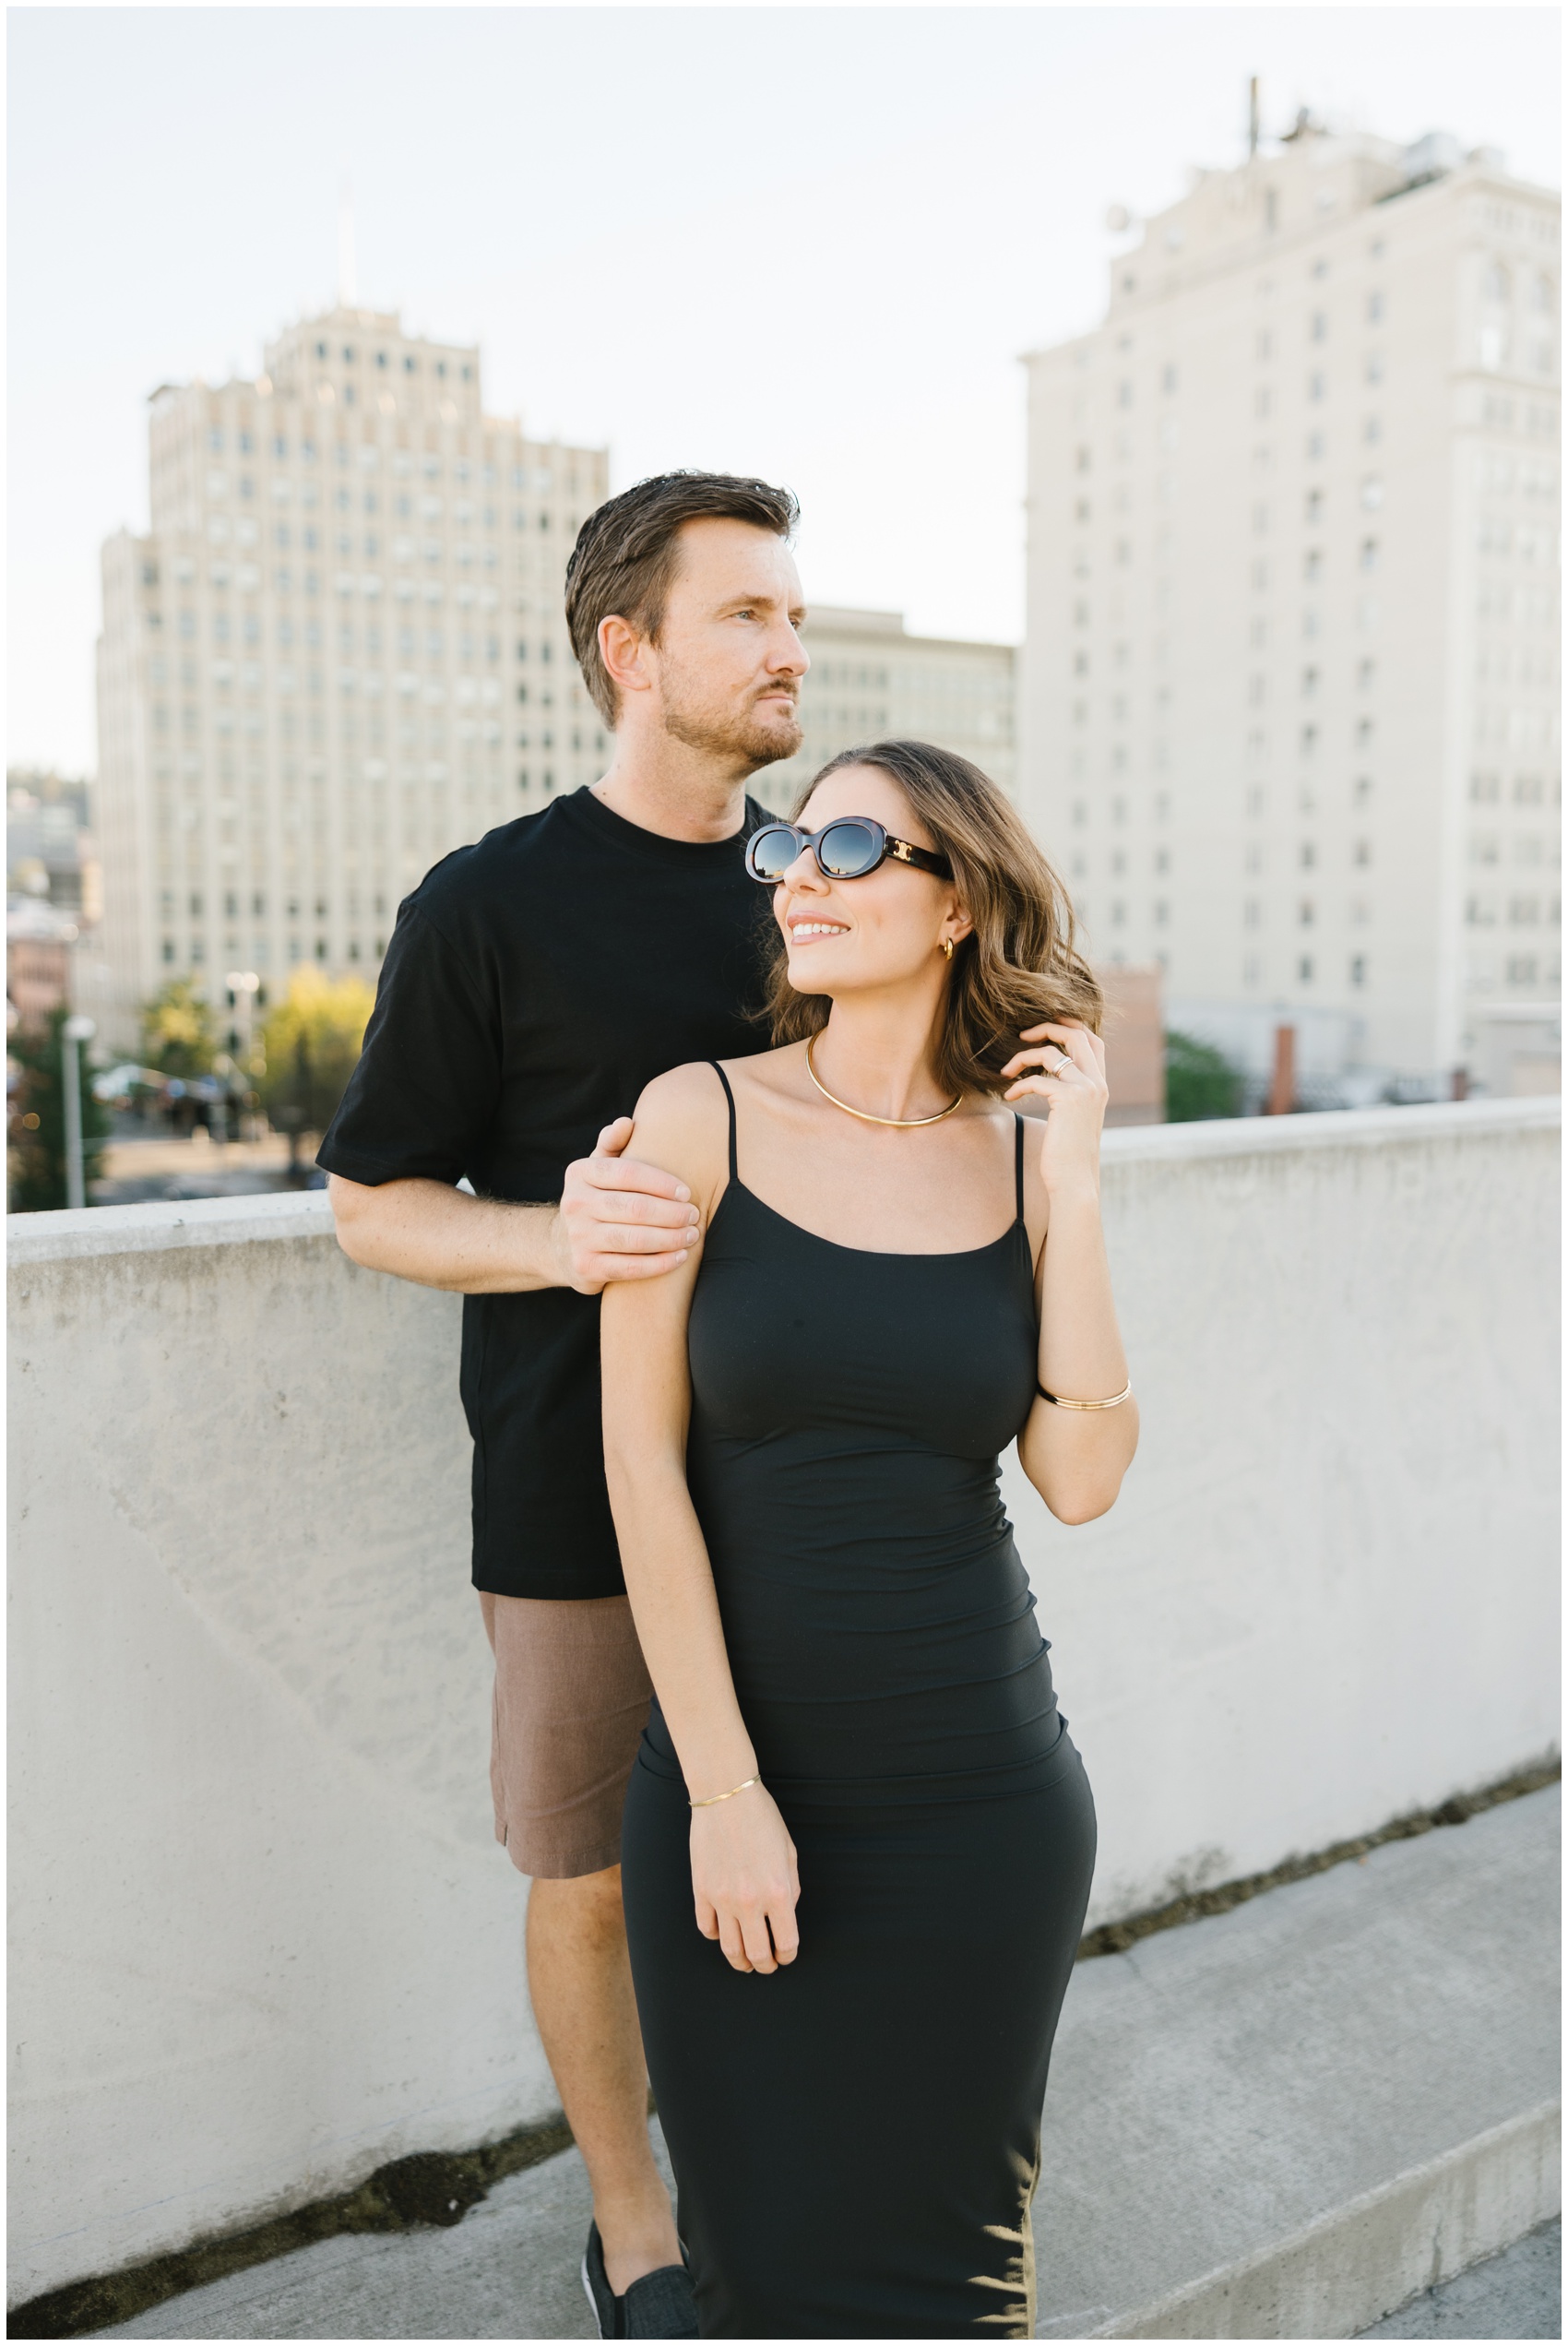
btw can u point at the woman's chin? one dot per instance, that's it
(807, 975)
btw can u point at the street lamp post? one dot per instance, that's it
(76, 1031)
(243, 986)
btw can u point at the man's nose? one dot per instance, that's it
(787, 655)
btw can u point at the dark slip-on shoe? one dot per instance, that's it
(661, 2305)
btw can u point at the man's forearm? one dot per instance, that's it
(441, 1237)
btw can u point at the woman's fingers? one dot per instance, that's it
(745, 1881)
(756, 1941)
(1049, 1058)
(786, 1934)
(756, 1937)
(732, 1942)
(1070, 1035)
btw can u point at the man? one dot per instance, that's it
(534, 983)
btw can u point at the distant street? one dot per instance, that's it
(139, 1171)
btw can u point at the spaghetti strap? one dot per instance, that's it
(734, 1163)
(1017, 1157)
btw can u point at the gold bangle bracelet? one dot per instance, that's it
(1057, 1401)
(714, 1798)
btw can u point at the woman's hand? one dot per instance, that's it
(1066, 1068)
(745, 1881)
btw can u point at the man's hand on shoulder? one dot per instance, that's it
(618, 1219)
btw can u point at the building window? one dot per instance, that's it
(1358, 969)
(1368, 553)
(1521, 970)
(1304, 969)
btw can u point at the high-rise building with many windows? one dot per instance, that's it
(337, 653)
(1288, 707)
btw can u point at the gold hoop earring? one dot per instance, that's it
(947, 947)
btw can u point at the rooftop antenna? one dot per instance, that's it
(345, 244)
(1252, 119)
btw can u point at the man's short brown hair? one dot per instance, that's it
(624, 558)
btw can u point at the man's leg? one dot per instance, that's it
(580, 1983)
(571, 1697)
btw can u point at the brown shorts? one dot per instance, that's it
(571, 1700)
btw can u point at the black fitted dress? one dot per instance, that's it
(856, 2137)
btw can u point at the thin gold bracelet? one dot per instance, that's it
(714, 1798)
(1058, 1403)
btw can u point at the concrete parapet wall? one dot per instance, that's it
(265, 1941)
(1328, 1593)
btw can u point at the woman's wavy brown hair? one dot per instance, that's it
(1019, 965)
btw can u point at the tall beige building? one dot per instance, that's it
(1289, 703)
(869, 681)
(339, 653)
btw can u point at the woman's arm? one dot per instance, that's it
(1076, 1459)
(743, 1875)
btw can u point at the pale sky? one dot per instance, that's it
(805, 243)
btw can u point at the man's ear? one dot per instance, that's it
(623, 649)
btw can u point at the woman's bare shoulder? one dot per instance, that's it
(682, 1125)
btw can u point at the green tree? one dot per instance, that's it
(311, 1044)
(37, 1120)
(1199, 1081)
(177, 1032)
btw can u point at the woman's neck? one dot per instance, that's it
(879, 1056)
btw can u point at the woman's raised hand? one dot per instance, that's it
(1065, 1067)
(745, 1881)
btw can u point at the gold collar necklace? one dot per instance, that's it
(899, 1123)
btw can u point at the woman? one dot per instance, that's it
(854, 1764)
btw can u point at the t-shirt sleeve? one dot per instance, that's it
(424, 1091)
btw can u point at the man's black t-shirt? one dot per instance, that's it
(532, 986)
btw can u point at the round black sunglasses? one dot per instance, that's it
(846, 849)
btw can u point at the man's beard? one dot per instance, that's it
(740, 735)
